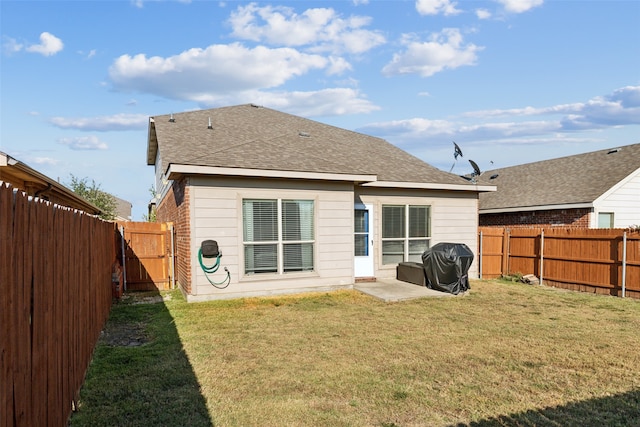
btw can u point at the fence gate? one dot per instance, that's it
(148, 255)
(493, 249)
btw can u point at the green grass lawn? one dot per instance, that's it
(505, 354)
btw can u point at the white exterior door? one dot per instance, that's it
(363, 241)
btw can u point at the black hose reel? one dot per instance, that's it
(209, 249)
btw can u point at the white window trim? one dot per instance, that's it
(280, 243)
(406, 239)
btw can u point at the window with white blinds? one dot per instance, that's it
(278, 235)
(405, 233)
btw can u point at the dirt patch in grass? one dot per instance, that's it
(129, 332)
(125, 334)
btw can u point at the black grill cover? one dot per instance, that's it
(446, 266)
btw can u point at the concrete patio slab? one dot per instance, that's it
(392, 290)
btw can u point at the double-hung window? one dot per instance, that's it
(405, 233)
(278, 235)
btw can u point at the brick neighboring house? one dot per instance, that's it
(600, 189)
(296, 205)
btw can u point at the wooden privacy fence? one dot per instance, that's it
(55, 296)
(604, 261)
(148, 255)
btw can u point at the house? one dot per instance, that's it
(35, 184)
(600, 189)
(123, 209)
(295, 205)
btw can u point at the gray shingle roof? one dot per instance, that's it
(563, 181)
(252, 137)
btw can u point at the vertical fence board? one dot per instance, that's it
(6, 303)
(21, 331)
(38, 315)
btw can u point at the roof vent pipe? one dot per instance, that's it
(171, 119)
(210, 126)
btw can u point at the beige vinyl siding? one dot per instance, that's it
(454, 218)
(217, 215)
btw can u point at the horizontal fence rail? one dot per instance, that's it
(604, 261)
(56, 269)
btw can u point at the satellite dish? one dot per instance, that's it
(476, 169)
(456, 152)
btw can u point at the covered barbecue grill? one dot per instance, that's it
(446, 267)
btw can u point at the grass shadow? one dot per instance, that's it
(621, 410)
(140, 374)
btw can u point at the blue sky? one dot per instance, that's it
(511, 81)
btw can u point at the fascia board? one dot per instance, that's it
(430, 186)
(177, 170)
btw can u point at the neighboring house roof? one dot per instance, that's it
(566, 182)
(123, 209)
(34, 183)
(247, 138)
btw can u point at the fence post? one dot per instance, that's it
(624, 263)
(541, 255)
(124, 257)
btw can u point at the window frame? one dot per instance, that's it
(282, 240)
(406, 238)
(610, 216)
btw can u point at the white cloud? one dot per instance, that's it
(43, 161)
(526, 111)
(83, 143)
(319, 30)
(49, 45)
(338, 65)
(117, 122)
(519, 6)
(359, 2)
(483, 14)
(445, 50)
(10, 45)
(325, 102)
(620, 108)
(212, 72)
(435, 7)
(628, 96)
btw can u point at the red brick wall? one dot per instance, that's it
(174, 207)
(578, 218)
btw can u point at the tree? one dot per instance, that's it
(152, 216)
(93, 194)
